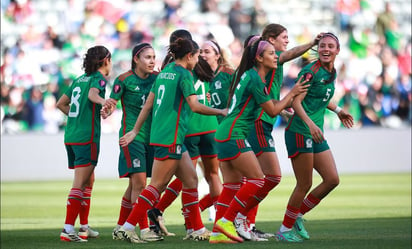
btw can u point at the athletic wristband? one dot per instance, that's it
(337, 109)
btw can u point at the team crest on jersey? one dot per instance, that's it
(178, 149)
(308, 143)
(117, 88)
(102, 83)
(271, 143)
(218, 85)
(136, 163)
(266, 91)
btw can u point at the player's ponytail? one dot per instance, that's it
(95, 58)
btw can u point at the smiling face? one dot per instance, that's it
(209, 55)
(281, 41)
(145, 62)
(327, 50)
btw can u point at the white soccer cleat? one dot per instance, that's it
(149, 235)
(242, 228)
(70, 237)
(129, 236)
(88, 233)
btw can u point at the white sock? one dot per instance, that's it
(128, 226)
(283, 229)
(241, 216)
(201, 230)
(69, 228)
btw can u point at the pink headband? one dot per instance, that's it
(141, 49)
(328, 34)
(261, 47)
(213, 45)
(253, 39)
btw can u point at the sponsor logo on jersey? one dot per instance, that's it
(309, 143)
(117, 88)
(218, 84)
(136, 163)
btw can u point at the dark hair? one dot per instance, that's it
(333, 36)
(137, 50)
(182, 47)
(94, 58)
(179, 33)
(247, 61)
(248, 39)
(272, 30)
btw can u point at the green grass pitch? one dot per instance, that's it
(365, 211)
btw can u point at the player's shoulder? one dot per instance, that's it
(227, 70)
(124, 75)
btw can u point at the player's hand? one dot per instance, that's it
(127, 138)
(224, 112)
(317, 38)
(346, 119)
(286, 114)
(300, 86)
(316, 132)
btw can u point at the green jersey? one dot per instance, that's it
(170, 109)
(83, 119)
(274, 80)
(133, 91)
(319, 93)
(249, 94)
(219, 89)
(201, 124)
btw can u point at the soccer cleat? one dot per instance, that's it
(256, 238)
(261, 234)
(228, 229)
(300, 229)
(115, 234)
(242, 228)
(156, 216)
(129, 236)
(149, 235)
(201, 234)
(216, 238)
(88, 233)
(289, 236)
(188, 232)
(71, 237)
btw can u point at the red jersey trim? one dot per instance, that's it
(234, 122)
(200, 133)
(270, 87)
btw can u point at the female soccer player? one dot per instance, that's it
(172, 93)
(199, 139)
(247, 93)
(260, 138)
(135, 159)
(305, 142)
(82, 103)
